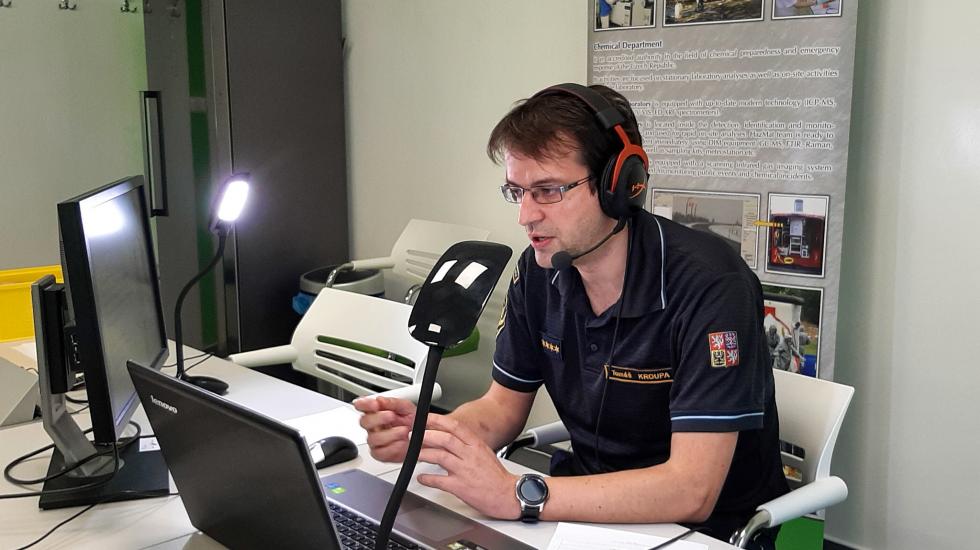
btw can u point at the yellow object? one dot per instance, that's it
(16, 313)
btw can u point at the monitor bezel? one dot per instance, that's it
(107, 424)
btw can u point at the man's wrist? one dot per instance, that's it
(513, 511)
(531, 491)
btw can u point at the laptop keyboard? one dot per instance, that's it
(358, 533)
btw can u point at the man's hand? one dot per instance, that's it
(473, 472)
(387, 421)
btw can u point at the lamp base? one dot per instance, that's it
(209, 383)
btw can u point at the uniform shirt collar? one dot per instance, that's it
(647, 290)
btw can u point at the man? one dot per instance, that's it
(787, 357)
(648, 339)
(772, 338)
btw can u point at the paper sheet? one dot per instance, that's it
(342, 421)
(572, 536)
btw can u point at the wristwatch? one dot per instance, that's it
(532, 493)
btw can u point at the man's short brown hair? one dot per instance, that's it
(548, 126)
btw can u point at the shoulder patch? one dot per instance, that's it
(723, 349)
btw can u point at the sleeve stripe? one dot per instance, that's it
(509, 375)
(715, 417)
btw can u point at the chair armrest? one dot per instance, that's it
(412, 393)
(386, 262)
(816, 495)
(265, 356)
(548, 434)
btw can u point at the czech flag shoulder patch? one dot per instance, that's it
(723, 349)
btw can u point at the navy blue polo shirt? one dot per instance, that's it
(690, 356)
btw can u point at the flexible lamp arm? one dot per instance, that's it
(178, 333)
(414, 448)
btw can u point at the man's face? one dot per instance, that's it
(573, 224)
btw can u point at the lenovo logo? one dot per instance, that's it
(162, 405)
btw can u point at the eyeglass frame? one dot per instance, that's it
(508, 188)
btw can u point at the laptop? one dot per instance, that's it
(248, 481)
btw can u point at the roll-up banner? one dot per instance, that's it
(744, 107)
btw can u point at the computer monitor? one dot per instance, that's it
(107, 313)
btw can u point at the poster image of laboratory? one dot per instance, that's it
(792, 327)
(796, 9)
(699, 12)
(797, 233)
(622, 14)
(731, 216)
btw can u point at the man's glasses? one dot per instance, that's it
(541, 195)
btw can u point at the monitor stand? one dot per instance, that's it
(141, 475)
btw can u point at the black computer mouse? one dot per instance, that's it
(333, 450)
(213, 385)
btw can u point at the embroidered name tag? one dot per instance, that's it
(639, 376)
(723, 349)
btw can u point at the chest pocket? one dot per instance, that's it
(551, 347)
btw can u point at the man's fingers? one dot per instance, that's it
(383, 419)
(435, 439)
(399, 406)
(373, 404)
(436, 481)
(381, 438)
(440, 457)
(453, 426)
(366, 404)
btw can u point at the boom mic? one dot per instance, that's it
(563, 260)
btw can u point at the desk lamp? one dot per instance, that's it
(225, 209)
(446, 311)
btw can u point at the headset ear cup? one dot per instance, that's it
(630, 191)
(607, 197)
(632, 186)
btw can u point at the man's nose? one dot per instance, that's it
(530, 210)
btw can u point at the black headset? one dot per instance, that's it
(623, 183)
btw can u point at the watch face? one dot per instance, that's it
(533, 490)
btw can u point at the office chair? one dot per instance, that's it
(811, 412)
(359, 343)
(810, 415)
(417, 249)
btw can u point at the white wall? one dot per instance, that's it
(427, 81)
(69, 115)
(909, 296)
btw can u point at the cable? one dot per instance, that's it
(208, 356)
(122, 444)
(612, 348)
(76, 401)
(187, 358)
(667, 543)
(55, 528)
(82, 511)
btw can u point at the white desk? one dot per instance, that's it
(162, 523)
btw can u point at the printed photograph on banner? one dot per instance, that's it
(699, 12)
(792, 9)
(797, 234)
(732, 216)
(792, 327)
(622, 14)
